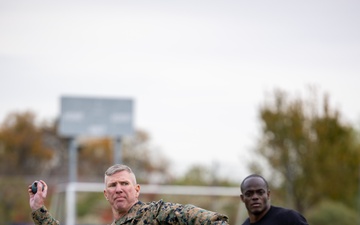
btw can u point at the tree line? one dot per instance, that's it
(308, 152)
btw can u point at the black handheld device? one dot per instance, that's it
(34, 187)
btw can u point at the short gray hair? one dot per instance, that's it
(118, 168)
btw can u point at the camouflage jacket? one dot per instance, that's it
(42, 216)
(156, 213)
(153, 213)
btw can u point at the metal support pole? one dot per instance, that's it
(359, 196)
(117, 150)
(70, 189)
(70, 204)
(73, 160)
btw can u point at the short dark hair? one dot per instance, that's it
(253, 175)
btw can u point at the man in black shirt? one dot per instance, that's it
(256, 196)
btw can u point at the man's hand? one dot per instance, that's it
(37, 200)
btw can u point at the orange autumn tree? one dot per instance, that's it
(22, 154)
(22, 151)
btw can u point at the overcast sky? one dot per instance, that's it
(197, 70)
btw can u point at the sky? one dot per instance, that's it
(196, 70)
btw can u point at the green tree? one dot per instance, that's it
(200, 175)
(332, 213)
(312, 150)
(195, 175)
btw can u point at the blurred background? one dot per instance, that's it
(220, 90)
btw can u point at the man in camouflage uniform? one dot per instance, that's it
(122, 192)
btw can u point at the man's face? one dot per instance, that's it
(256, 196)
(121, 191)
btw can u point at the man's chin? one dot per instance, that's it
(119, 205)
(256, 211)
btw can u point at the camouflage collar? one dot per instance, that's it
(130, 215)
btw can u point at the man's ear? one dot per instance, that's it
(137, 189)
(242, 198)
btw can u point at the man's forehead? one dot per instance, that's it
(124, 175)
(253, 189)
(254, 183)
(121, 176)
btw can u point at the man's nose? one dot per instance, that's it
(255, 196)
(118, 188)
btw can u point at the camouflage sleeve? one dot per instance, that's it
(177, 214)
(43, 217)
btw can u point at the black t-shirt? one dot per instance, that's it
(280, 216)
